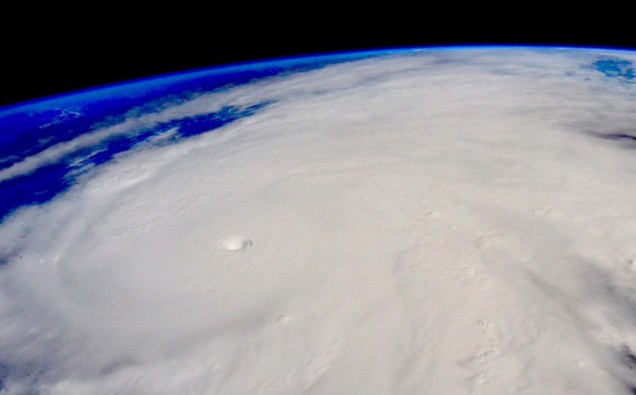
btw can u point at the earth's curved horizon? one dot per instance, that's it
(229, 67)
(454, 220)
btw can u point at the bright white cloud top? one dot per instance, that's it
(421, 222)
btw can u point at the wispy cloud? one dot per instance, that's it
(430, 222)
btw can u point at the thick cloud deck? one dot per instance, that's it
(426, 222)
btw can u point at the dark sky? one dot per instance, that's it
(70, 54)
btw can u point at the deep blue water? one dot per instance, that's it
(48, 181)
(617, 68)
(33, 127)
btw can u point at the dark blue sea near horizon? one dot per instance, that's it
(29, 128)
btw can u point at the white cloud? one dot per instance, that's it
(439, 222)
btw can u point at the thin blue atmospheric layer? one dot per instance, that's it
(28, 129)
(616, 68)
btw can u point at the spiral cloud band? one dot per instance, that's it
(422, 222)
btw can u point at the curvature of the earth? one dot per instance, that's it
(448, 221)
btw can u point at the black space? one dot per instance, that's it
(63, 55)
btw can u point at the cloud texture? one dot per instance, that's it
(427, 222)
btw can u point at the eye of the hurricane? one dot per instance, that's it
(236, 243)
(407, 221)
